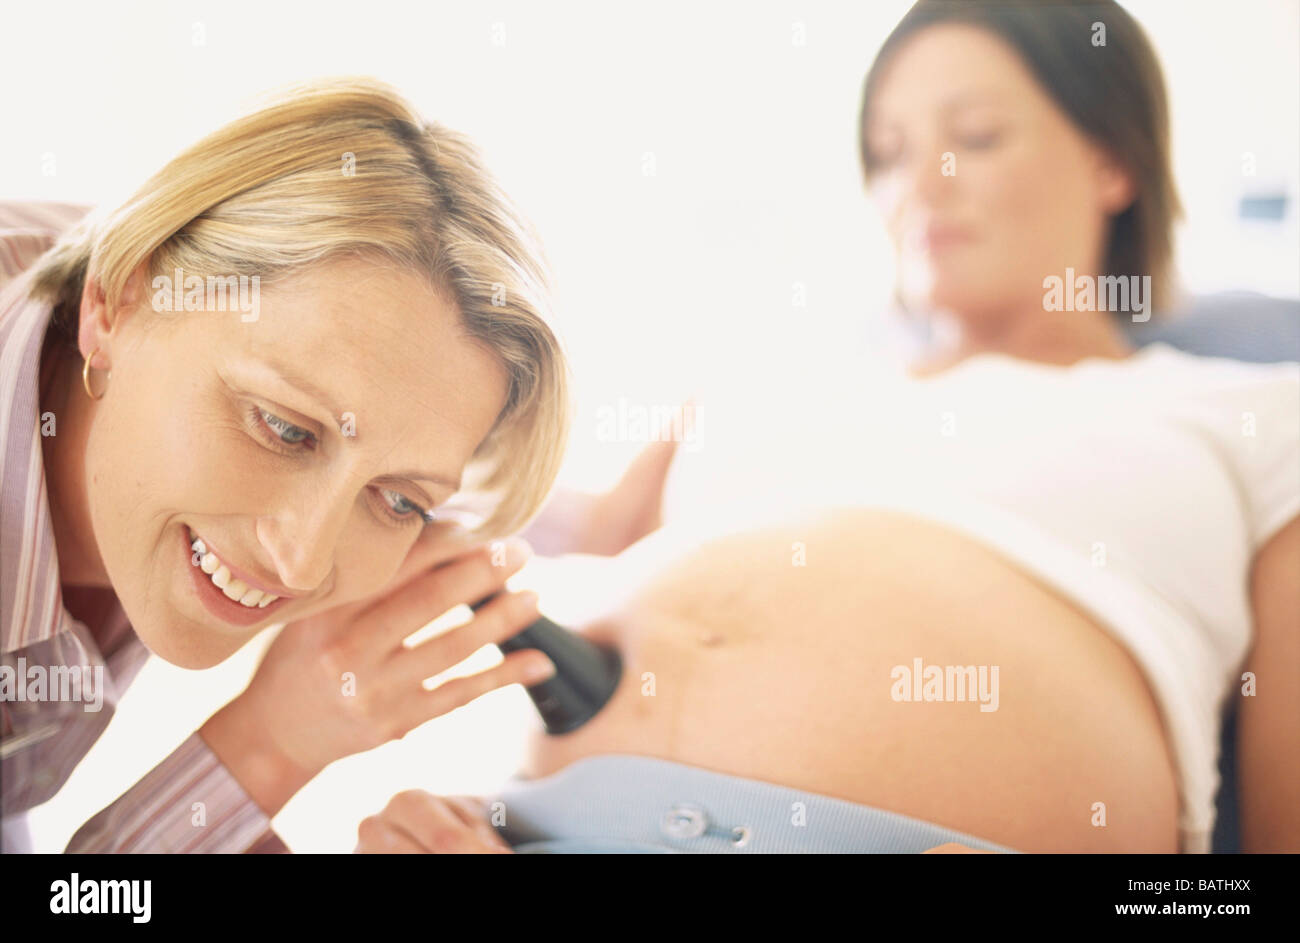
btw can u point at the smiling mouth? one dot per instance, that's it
(223, 594)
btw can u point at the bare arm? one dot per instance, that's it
(1268, 725)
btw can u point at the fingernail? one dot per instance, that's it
(518, 550)
(528, 601)
(539, 671)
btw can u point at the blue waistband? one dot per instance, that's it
(625, 804)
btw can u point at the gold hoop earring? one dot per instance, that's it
(85, 376)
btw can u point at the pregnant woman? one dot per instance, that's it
(240, 400)
(1026, 591)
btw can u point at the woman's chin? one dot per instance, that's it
(185, 643)
(202, 653)
(959, 308)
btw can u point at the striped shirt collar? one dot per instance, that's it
(31, 599)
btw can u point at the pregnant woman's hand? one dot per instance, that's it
(342, 681)
(418, 822)
(606, 524)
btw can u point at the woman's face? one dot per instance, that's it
(211, 425)
(985, 185)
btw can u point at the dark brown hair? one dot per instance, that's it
(1114, 94)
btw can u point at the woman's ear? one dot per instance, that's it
(94, 327)
(97, 324)
(1116, 186)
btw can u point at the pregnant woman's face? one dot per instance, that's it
(985, 185)
(301, 446)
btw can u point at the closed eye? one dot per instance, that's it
(979, 140)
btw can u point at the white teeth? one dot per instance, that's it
(234, 589)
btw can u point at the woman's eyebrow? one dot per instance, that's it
(305, 386)
(973, 99)
(966, 98)
(309, 389)
(423, 476)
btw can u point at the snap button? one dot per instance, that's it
(684, 820)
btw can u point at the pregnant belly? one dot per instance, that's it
(888, 661)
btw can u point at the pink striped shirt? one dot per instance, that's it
(44, 737)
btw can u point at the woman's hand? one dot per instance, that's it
(606, 524)
(418, 822)
(342, 681)
(633, 508)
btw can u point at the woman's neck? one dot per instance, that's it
(1049, 337)
(64, 458)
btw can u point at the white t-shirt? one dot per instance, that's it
(1140, 488)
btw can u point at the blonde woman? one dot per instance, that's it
(245, 398)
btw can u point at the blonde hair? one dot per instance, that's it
(268, 194)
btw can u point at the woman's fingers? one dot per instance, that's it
(504, 617)
(378, 837)
(438, 543)
(526, 667)
(420, 821)
(474, 812)
(462, 581)
(634, 506)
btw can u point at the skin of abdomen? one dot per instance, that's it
(775, 654)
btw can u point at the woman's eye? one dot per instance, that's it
(882, 153)
(879, 160)
(288, 433)
(979, 140)
(401, 506)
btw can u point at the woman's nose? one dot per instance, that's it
(928, 179)
(302, 543)
(915, 191)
